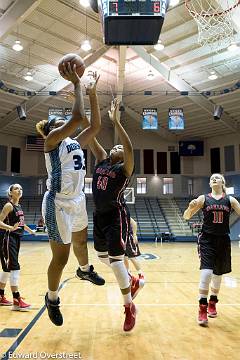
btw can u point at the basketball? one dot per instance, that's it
(73, 59)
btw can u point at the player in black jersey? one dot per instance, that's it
(111, 216)
(214, 244)
(12, 221)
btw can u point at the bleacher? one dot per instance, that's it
(195, 222)
(157, 218)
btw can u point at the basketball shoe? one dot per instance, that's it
(212, 311)
(130, 317)
(136, 285)
(4, 301)
(90, 275)
(202, 315)
(20, 305)
(53, 311)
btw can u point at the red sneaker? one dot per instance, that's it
(212, 311)
(130, 317)
(136, 285)
(20, 305)
(202, 315)
(4, 301)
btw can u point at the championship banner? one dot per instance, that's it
(176, 119)
(68, 113)
(150, 119)
(54, 111)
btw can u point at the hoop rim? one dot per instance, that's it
(205, 14)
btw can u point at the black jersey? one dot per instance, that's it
(109, 183)
(216, 215)
(15, 216)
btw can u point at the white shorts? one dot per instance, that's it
(64, 216)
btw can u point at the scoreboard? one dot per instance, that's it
(132, 22)
(136, 7)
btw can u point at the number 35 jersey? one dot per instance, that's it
(66, 169)
(216, 215)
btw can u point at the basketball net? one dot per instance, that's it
(214, 21)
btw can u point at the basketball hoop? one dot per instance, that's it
(214, 21)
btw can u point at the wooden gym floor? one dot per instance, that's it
(93, 316)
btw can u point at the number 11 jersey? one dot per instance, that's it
(216, 215)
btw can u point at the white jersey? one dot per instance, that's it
(66, 169)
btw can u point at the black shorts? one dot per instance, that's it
(215, 253)
(132, 249)
(9, 251)
(110, 231)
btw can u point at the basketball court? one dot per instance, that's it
(177, 81)
(93, 316)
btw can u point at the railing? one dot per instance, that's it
(150, 216)
(154, 217)
(164, 216)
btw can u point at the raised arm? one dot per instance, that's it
(128, 162)
(60, 133)
(91, 128)
(96, 148)
(193, 207)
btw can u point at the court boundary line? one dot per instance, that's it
(27, 329)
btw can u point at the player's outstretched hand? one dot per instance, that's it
(114, 111)
(91, 87)
(69, 73)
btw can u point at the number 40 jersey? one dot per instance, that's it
(66, 169)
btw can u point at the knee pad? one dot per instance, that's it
(205, 278)
(4, 276)
(121, 274)
(216, 281)
(103, 257)
(14, 277)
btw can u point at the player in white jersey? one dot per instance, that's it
(64, 207)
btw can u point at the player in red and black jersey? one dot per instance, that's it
(12, 223)
(111, 216)
(214, 245)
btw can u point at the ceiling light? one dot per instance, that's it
(17, 46)
(28, 76)
(159, 46)
(213, 77)
(150, 75)
(86, 46)
(174, 2)
(233, 46)
(84, 3)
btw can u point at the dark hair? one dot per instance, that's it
(44, 126)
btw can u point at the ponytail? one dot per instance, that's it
(41, 128)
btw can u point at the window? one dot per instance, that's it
(40, 187)
(190, 187)
(141, 185)
(88, 186)
(167, 186)
(230, 190)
